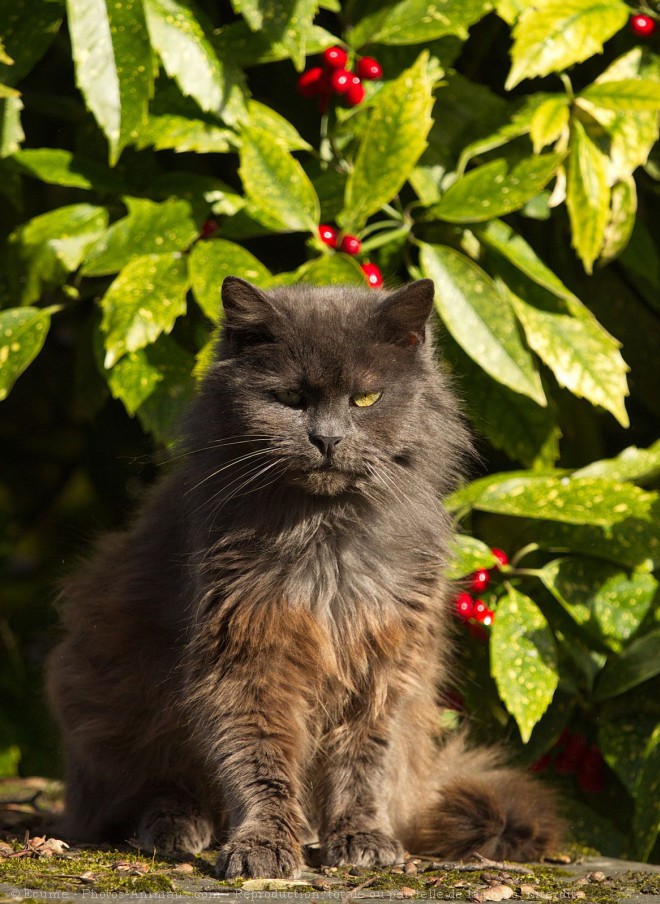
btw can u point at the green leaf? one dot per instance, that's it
(183, 135)
(280, 129)
(523, 659)
(27, 28)
(57, 166)
(190, 59)
(133, 379)
(480, 320)
(625, 95)
(23, 332)
(600, 597)
(418, 21)
(11, 130)
(49, 247)
(525, 431)
(552, 35)
(467, 555)
(247, 48)
(634, 542)
(623, 210)
(638, 662)
(587, 195)
(331, 270)
(623, 742)
(399, 122)
(143, 302)
(112, 56)
(631, 464)
(287, 22)
(580, 500)
(495, 189)
(149, 228)
(276, 183)
(580, 353)
(646, 822)
(161, 413)
(549, 122)
(211, 261)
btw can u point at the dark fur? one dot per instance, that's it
(258, 656)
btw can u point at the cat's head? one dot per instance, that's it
(337, 386)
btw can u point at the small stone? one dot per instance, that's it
(184, 868)
(410, 868)
(492, 893)
(322, 885)
(407, 892)
(596, 876)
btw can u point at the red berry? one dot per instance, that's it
(335, 57)
(350, 244)
(208, 228)
(373, 274)
(480, 580)
(501, 556)
(464, 605)
(483, 614)
(590, 775)
(369, 68)
(340, 79)
(641, 25)
(354, 92)
(328, 235)
(309, 83)
(569, 759)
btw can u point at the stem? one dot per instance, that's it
(525, 551)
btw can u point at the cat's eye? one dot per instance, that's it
(289, 397)
(365, 399)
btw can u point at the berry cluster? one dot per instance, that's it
(572, 755)
(334, 78)
(642, 25)
(350, 244)
(475, 611)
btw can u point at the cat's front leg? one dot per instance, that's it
(356, 826)
(252, 715)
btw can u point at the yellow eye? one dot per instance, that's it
(289, 397)
(365, 399)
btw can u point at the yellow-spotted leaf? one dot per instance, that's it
(468, 555)
(211, 261)
(287, 22)
(331, 270)
(133, 379)
(627, 95)
(523, 655)
(480, 319)
(23, 332)
(399, 122)
(418, 21)
(143, 302)
(549, 122)
(551, 35)
(587, 195)
(276, 183)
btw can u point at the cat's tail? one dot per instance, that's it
(482, 806)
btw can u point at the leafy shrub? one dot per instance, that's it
(150, 147)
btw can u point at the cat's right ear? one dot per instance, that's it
(248, 313)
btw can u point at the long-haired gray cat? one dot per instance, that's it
(258, 657)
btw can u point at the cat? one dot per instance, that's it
(257, 658)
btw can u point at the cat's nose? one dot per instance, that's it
(326, 444)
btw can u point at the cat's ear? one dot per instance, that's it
(248, 313)
(404, 313)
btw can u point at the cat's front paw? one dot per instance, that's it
(361, 849)
(253, 857)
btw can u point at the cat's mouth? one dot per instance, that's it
(326, 479)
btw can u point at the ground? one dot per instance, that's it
(36, 867)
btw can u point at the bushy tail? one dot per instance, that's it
(482, 806)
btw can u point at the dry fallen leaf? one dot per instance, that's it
(184, 868)
(408, 892)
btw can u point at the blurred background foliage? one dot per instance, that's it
(506, 149)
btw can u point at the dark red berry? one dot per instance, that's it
(480, 580)
(569, 758)
(501, 556)
(590, 774)
(309, 83)
(478, 632)
(340, 79)
(641, 25)
(208, 228)
(328, 235)
(350, 244)
(335, 57)
(373, 274)
(354, 92)
(541, 764)
(369, 68)
(464, 605)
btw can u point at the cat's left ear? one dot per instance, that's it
(404, 313)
